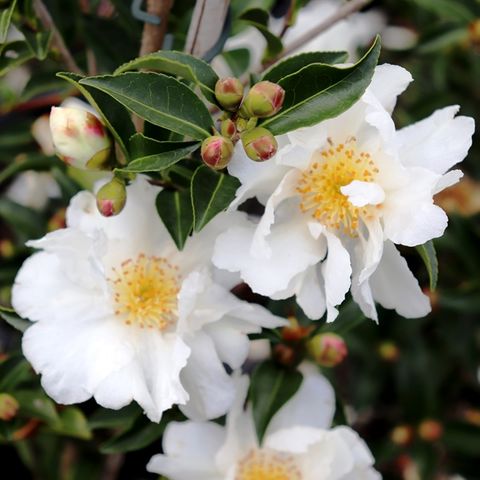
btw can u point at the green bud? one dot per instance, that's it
(228, 129)
(217, 151)
(229, 93)
(327, 349)
(263, 100)
(111, 198)
(259, 144)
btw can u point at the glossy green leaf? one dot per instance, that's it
(5, 19)
(159, 99)
(211, 192)
(73, 423)
(37, 405)
(175, 210)
(13, 372)
(14, 55)
(271, 387)
(150, 155)
(318, 92)
(180, 64)
(39, 43)
(293, 64)
(238, 60)
(429, 257)
(115, 116)
(123, 418)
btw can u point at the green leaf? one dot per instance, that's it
(73, 424)
(151, 155)
(429, 257)
(5, 19)
(293, 64)
(36, 404)
(115, 116)
(13, 371)
(318, 92)
(39, 43)
(13, 319)
(448, 9)
(211, 192)
(142, 434)
(18, 53)
(271, 387)
(31, 162)
(175, 210)
(238, 60)
(258, 18)
(26, 221)
(159, 99)
(123, 418)
(179, 64)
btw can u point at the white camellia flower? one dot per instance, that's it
(298, 443)
(121, 314)
(338, 196)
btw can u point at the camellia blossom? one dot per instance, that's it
(298, 443)
(338, 196)
(121, 314)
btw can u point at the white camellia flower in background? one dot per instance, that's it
(121, 314)
(338, 196)
(298, 443)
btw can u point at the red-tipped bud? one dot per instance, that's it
(259, 144)
(402, 435)
(217, 151)
(430, 430)
(111, 198)
(327, 349)
(8, 407)
(229, 93)
(80, 138)
(263, 100)
(229, 129)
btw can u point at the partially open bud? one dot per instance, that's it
(264, 99)
(430, 430)
(111, 198)
(217, 151)
(259, 144)
(327, 349)
(80, 138)
(229, 93)
(228, 128)
(8, 407)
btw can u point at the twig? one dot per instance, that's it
(112, 466)
(351, 7)
(153, 35)
(47, 21)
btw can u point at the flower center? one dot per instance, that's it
(267, 465)
(319, 185)
(145, 292)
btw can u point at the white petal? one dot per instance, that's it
(437, 142)
(394, 286)
(313, 405)
(363, 193)
(294, 439)
(450, 178)
(336, 270)
(310, 293)
(189, 449)
(211, 390)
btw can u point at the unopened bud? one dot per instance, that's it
(430, 430)
(228, 129)
(285, 355)
(402, 435)
(259, 144)
(327, 349)
(388, 351)
(7, 248)
(294, 332)
(80, 138)
(264, 99)
(217, 151)
(111, 198)
(8, 407)
(229, 93)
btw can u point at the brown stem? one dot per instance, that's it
(49, 25)
(112, 466)
(350, 7)
(153, 35)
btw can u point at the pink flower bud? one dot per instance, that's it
(259, 144)
(263, 100)
(80, 138)
(229, 93)
(217, 151)
(229, 129)
(111, 198)
(327, 349)
(8, 407)
(430, 430)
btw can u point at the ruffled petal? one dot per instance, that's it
(310, 293)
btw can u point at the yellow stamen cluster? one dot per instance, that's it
(267, 465)
(145, 292)
(319, 186)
